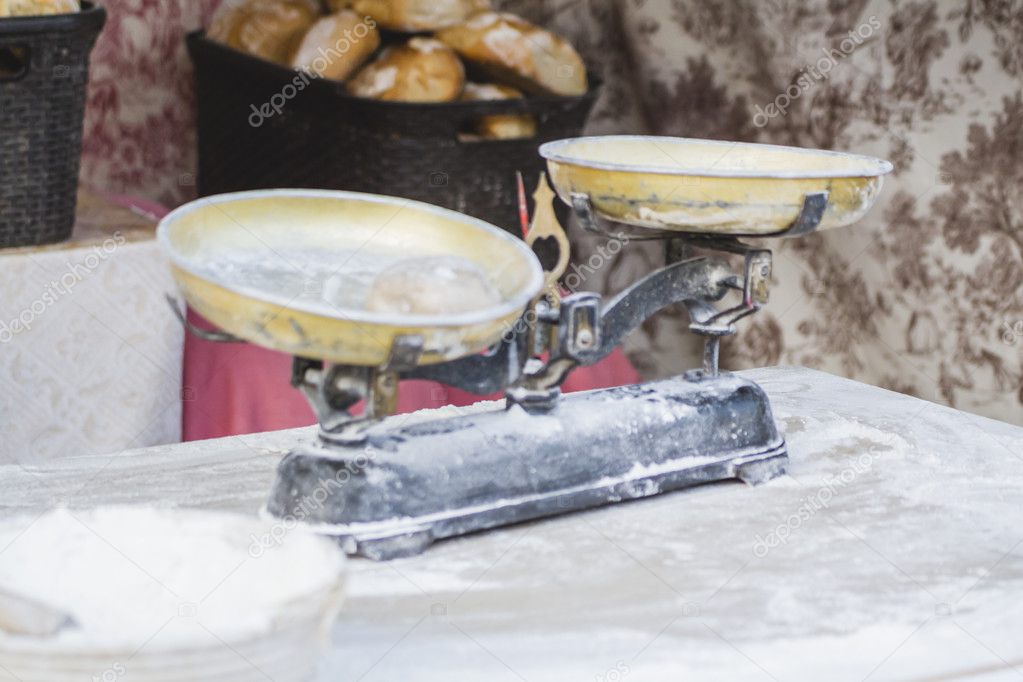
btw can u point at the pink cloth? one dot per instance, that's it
(236, 388)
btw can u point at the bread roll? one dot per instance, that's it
(230, 12)
(422, 70)
(337, 45)
(415, 16)
(225, 20)
(338, 5)
(270, 29)
(516, 51)
(30, 8)
(498, 126)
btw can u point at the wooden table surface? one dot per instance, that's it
(892, 550)
(97, 219)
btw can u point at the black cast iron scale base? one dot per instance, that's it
(407, 486)
(386, 489)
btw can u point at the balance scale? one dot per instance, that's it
(255, 264)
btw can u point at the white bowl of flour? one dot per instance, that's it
(169, 595)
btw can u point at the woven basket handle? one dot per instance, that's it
(20, 35)
(15, 59)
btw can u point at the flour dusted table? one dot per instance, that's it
(891, 551)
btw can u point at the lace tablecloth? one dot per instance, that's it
(90, 354)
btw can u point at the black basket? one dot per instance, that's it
(262, 125)
(44, 70)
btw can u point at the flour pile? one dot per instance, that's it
(170, 578)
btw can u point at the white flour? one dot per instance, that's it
(127, 574)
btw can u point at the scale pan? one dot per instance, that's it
(709, 186)
(289, 270)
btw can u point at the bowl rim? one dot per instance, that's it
(512, 305)
(557, 151)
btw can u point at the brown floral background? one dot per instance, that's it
(925, 296)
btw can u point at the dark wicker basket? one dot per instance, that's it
(44, 70)
(322, 137)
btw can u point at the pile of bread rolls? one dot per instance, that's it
(32, 8)
(341, 40)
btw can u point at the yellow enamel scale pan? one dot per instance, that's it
(711, 187)
(258, 264)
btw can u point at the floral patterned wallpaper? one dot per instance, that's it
(925, 296)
